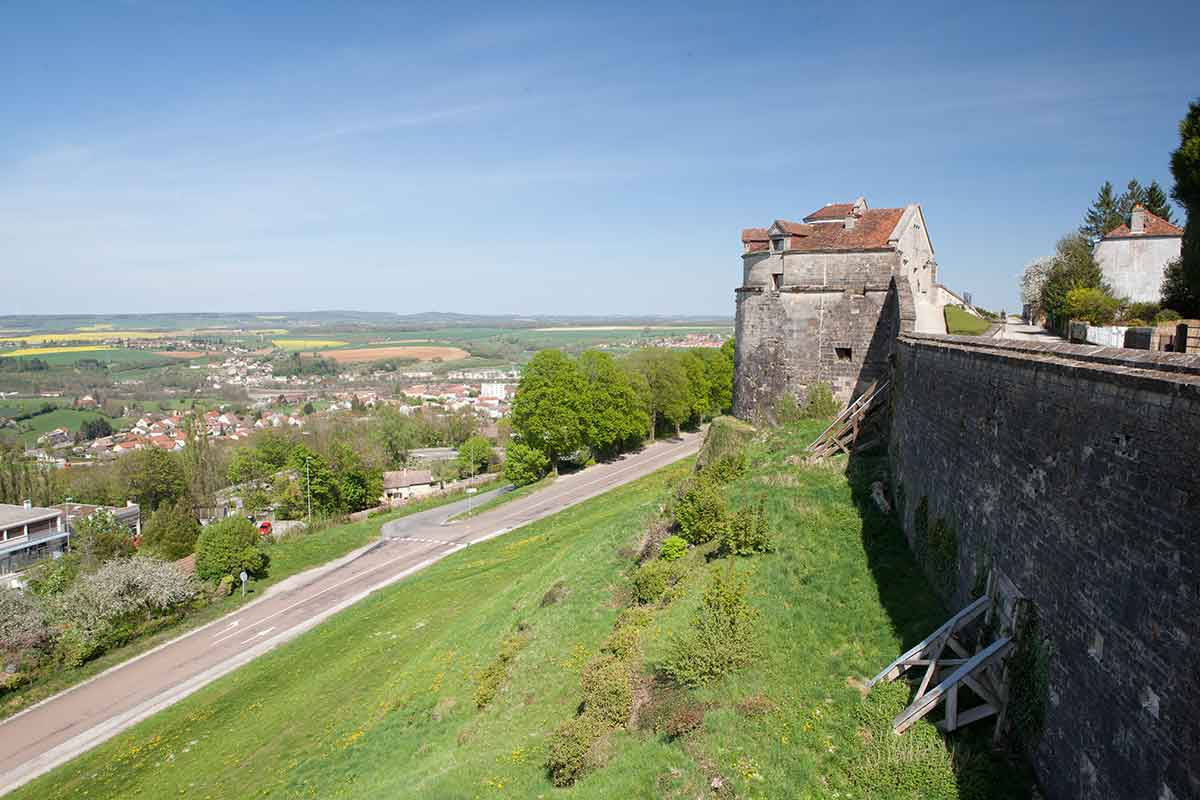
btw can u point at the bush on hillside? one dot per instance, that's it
(727, 468)
(820, 402)
(53, 575)
(1138, 311)
(494, 675)
(105, 608)
(1167, 315)
(701, 512)
(571, 745)
(623, 642)
(787, 410)
(606, 691)
(673, 548)
(524, 464)
(725, 435)
(24, 629)
(228, 547)
(748, 533)
(723, 635)
(1094, 306)
(653, 578)
(101, 537)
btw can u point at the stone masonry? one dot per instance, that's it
(1074, 470)
(822, 301)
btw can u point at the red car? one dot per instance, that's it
(264, 527)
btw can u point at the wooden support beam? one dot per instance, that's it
(967, 717)
(952, 709)
(929, 701)
(964, 616)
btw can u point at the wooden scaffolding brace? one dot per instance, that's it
(983, 671)
(843, 433)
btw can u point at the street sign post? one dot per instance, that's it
(244, 576)
(470, 496)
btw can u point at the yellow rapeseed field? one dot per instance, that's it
(306, 344)
(86, 336)
(41, 351)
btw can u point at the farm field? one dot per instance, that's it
(417, 352)
(68, 418)
(394, 709)
(307, 344)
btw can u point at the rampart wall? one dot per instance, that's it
(1074, 470)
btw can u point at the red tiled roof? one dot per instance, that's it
(1155, 226)
(831, 211)
(870, 232)
(754, 235)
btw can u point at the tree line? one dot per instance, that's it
(597, 405)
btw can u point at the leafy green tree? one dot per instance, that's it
(154, 477)
(227, 547)
(720, 376)
(524, 464)
(1091, 305)
(665, 382)
(100, 537)
(397, 435)
(474, 455)
(699, 391)
(247, 465)
(1104, 214)
(1073, 267)
(315, 478)
(613, 414)
(308, 409)
(95, 429)
(170, 532)
(1185, 167)
(547, 412)
(1177, 295)
(359, 486)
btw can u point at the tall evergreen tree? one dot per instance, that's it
(1134, 195)
(1155, 202)
(1185, 166)
(1103, 216)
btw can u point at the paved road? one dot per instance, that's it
(58, 729)
(1026, 333)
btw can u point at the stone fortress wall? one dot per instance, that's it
(1075, 471)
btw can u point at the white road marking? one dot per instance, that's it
(232, 625)
(261, 633)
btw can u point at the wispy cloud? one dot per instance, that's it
(389, 122)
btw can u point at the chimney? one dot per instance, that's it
(1137, 220)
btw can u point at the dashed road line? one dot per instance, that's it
(429, 541)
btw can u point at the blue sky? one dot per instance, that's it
(161, 156)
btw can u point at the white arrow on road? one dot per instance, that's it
(260, 633)
(232, 625)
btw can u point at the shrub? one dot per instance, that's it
(606, 691)
(524, 464)
(1134, 323)
(820, 403)
(684, 718)
(171, 532)
(725, 435)
(1136, 311)
(653, 578)
(1092, 305)
(673, 547)
(23, 624)
(723, 635)
(98, 607)
(228, 547)
(726, 468)
(635, 617)
(623, 642)
(748, 533)
(787, 410)
(701, 512)
(494, 675)
(52, 576)
(570, 746)
(1167, 315)
(101, 537)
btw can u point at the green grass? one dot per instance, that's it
(961, 323)
(68, 418)
(291, 556)
(379, 700)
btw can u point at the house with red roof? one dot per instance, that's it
(823, 299)
(1133, 256)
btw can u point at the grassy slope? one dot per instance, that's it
(377, 702)
(961, 323)
(68, 418)
(289, 557)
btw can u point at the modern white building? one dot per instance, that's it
(1133, 257)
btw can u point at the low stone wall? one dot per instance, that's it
(1074, 470)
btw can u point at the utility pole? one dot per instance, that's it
(308, 480)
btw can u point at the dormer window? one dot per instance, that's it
(777, 244)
